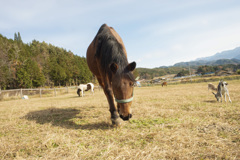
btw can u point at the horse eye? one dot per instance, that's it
(131, 84)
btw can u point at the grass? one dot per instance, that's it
(181, 121)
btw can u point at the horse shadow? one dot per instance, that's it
(63, 117)
(210, 101)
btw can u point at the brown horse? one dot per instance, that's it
(164, 84)
(107, 60)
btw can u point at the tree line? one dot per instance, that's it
(146, 73)
(39, 64)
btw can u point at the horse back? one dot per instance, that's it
(119, 39)
(93, 57)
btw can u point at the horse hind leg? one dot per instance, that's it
(225, 97)
(229, 97)
(221, 97)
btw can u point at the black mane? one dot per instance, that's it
(109, 50)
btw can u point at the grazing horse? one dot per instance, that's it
(212, 87)
(107, 60)
(164, 84)
(222, 90)
(85, 87)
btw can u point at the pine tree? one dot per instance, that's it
(15, 37)
(19, 37)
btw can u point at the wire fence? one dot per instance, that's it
(37, 92)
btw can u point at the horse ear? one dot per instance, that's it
(131, 66)
(114, 67)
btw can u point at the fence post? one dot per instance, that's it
(40, 92)
(21, 93)
(55, 92)
(67, 90)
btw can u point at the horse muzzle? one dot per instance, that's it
(124, 111)
(126, 118)
(124, 103)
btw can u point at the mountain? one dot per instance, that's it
(229, 54)
(209, 63)
(222, 58)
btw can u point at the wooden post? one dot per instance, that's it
(21, 93)
(55, 92)
(40, 92)
(67, 90)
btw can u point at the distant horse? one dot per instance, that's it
(212, 87)
(85, 87)
(164, 84)
(107, 60)
(222, 90)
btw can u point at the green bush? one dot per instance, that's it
(238, 71)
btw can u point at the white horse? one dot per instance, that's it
(222, 90)
(85, 87)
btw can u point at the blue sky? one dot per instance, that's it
(155, 32)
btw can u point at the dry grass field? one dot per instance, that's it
(175, 122)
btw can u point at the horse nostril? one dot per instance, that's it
(126, 118)
(130, 115)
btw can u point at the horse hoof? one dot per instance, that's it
(116, 122)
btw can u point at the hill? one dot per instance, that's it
(146, 73)
(39, 64)
(200, 66)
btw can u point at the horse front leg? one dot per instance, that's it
(113, 110)
(109, 94)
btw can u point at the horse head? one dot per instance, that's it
(225, 83)
(122, 85)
